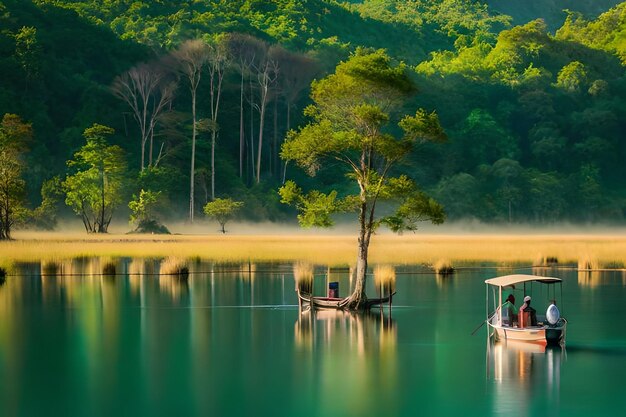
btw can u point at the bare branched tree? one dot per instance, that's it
(148, 90)
(244, 50)
(218, 61)
(267, 70)
(296, 73)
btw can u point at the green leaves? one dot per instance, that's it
(315, 208)
(423, 126)
(142, 206)
(415, 207)
(222, 210)
(95, 189)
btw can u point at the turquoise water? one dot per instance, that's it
(231, 342)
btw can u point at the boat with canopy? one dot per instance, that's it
(508, 323)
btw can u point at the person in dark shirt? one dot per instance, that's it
(527, 314)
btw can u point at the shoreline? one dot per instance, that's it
(598, 250)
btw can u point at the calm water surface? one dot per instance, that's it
(231, 342)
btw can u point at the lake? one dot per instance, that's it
(230, 341)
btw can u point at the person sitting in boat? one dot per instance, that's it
(509, 311)
(527, 314)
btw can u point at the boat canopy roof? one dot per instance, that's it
(507, 280)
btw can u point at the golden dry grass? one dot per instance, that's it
(173, 265)
(411, 249)
(303, 273)
(385, 277)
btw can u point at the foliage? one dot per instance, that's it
(95, 189)
(222, 210)
(14, 135)
(45, 216)
(143, 212)
(605, 33)
(550, 100)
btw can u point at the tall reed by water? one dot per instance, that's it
(303, 274)
(385, 279)
(443, 267)
(174, 266)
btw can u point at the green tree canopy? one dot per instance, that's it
(222, 210)
(350, 116)
(14, 135)
(95, 189)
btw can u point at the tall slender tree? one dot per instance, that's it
(296, 73)
(191, 58)
(218, 61)
(267, 70)
(244, 50)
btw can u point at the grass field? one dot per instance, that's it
(585, 251)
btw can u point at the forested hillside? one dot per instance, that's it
(534, 112)
(553, 12)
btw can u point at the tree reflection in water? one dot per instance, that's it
(349, 354)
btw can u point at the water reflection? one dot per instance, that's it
(593, 279)
(358, 330)
(523, 375)
(349, 355)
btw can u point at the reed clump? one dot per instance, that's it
(385, 279)
(303, 273)
(545, 261)
(587, 263)
(50, 268)
(443, 267)
(175, 266)
(109, 269)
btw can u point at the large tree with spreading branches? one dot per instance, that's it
(351, 127)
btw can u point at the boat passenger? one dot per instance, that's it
(509, 311)
(527, 314)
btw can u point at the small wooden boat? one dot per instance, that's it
(338, 302)
(548, 329)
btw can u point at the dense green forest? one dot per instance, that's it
(532, 99)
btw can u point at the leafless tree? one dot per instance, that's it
(148, 90)
(218, 61)
(267, 70)
(190, 58)
(245, 50)
(296, 73)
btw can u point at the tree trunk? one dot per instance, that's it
(213, 135)
(274, 168)
(101, 228)
(193, 156)
(241, 129)
(252, 128)
(151, 150)
(358, 298)
(263, 105)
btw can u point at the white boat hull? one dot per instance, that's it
(535, 334)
